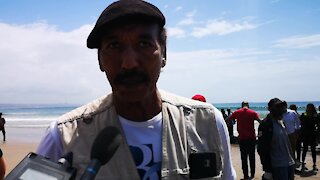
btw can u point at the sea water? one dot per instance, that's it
(33, 115)
(40, 115)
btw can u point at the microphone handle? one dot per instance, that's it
(91, 170)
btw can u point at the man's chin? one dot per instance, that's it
(131, 95)
(130, 98)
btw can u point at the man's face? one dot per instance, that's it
(131, 57)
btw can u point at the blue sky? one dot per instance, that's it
(227, 50)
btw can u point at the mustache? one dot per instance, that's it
(126, 75)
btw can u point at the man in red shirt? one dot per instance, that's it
(247, 138)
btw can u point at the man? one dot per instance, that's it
(2, 123)
(273, 144)
(233, 139)
(160, 130)
(224, 114)
(229, 111)
(292, 123)
(298, 146)
(245, 118)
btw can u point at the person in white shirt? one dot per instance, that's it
(292, 125)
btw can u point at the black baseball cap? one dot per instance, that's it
(124, 11)
(274, 101)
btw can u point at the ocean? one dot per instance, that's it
(33, 115)
(40, 115)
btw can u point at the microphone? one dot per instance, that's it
(103, 148)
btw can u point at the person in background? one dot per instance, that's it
(230, 127)
(160, 131)
(2, 128)
(245, 118)
(274, 145)
(229, 112)
(224, 114)
(199, 97)
(2, 165)
(294, 108)
(225, 117)
(293, 125)
(310, 124)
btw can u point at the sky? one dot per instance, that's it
(226, 50)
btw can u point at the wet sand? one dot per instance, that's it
(19, 142)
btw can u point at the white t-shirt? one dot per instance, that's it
(144, 139)
(51, 145)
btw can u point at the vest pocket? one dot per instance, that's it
(202, 158)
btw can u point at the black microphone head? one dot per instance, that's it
(106, 144)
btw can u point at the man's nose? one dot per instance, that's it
(129, 58)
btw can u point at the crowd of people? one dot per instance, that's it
(281, 137)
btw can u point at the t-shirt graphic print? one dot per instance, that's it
(145, 142)
(148, 167)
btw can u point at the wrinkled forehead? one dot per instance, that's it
(138, 29)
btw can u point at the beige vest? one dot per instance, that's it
(188, 126)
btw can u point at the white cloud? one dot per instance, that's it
(299, 42)
(186, 22)
(222, 27)
(192, 13)
(40, 64)
(189, 20)
(176, 32)
(234, 75)
(217, 54)
(179, 8)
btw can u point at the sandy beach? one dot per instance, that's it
(21, 141)
(236, 160)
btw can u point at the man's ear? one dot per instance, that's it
(163, 62)
(164, 58)
(99, 60)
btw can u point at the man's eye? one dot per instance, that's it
(113, 45)
(145, 44)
